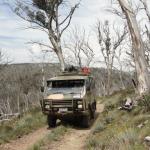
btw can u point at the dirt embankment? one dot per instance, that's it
(74, 140)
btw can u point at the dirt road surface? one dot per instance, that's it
(74, 140)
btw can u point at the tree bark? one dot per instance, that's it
(58, 50)
(61, 60)
(109, 75)
(146, 8)
(138, 49)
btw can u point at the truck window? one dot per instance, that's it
(65, 83)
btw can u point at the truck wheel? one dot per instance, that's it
(91, 111)
(94, 105)
(51, 120)
(86, 121)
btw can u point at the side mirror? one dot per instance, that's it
(42, 89)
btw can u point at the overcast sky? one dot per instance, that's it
(14, 38)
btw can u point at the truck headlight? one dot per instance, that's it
(79, 105)
(77, 96)
(47, 106)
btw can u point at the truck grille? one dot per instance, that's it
(70, 104)
(62, 104)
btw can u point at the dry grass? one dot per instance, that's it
(55, 135)
(21, 126)
(117, 129)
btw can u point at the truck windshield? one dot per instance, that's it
(65, 86)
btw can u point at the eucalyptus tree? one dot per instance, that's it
(138, 48)
(49, 16)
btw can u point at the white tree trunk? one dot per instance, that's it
(109, 74)
(58, 51)
(138, 49)
(61, 60)
(146, 8)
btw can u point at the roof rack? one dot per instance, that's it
(85, 71)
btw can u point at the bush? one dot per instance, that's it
(98, 128)
(92, 143)
(145, 103)
(56, 133)
(125, 140)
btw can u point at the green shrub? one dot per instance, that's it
(145, 103)
(35, 147)
(98, 128)
(92, 143)
(56, 133)
(124, 140)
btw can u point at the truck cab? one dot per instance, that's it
(69, 95)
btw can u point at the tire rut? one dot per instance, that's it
(75, 139)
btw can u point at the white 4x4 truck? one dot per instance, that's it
(70, 95)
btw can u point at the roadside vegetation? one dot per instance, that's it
(121, 129)
(18, 127)
(55, 135)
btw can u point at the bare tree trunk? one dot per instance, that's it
(109, 74)
(146, 8)
(61, 60)
(8, 106)
(26, 103)
(138, 49)
(121, 79)
(104, 88)
(18, 103)
(120, 70)
(58, 51)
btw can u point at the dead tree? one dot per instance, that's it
(80, 47)
(108, 45)
(147, 33)
(3, 60)
(144, 2)
(138, 48)
(45, 15)
(118, 57)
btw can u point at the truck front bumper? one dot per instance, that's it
(67, 115)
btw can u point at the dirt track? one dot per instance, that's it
(75, 140)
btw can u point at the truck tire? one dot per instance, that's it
(86, 121)
(94, 105)
(51, 120)
(91, 111)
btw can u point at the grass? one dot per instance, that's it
(55, 135)
(21, 126)
(118, 129)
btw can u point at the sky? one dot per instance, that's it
(14, 38)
